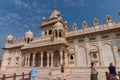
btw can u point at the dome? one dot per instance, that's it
(55, 14)
(9, 37)
(29, 34)
(58, 25)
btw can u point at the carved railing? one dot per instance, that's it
(15, 76)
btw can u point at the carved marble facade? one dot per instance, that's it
(58, 45)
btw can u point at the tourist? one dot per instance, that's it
(94, 72)
(112, 70)
(33, 72)
(62, 72)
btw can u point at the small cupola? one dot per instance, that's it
(95, 22)
(9, 39)
(84, 24)
(74, 26)
(58, 25)
(29, 36)
(58, 30)
(108, 19)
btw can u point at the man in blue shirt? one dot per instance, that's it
(33, 72)
(112, 71)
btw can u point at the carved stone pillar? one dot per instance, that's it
(20, 61)
(66, 59)
(33, 63)
(28, 64)
(51, 58)
(25, 60)
(47, 59)
(42, 59)
(61, 56)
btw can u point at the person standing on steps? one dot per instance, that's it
(112, 71)
(62, 72)
(33, 73)
(94, 73)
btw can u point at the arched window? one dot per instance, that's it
(60, 34)
(28, 40)
(94, 55)
(71, 57)
(56, 34)
(50, 32)
(45, 32)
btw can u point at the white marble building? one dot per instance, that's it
(58, 45)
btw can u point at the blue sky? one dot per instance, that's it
(19, 16)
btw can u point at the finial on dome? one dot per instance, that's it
(55, 7)
(43, 20)
(66, 22)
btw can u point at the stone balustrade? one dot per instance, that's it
(14, 45)
(93, 29)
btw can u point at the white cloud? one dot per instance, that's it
(21, 4)
(74, 3)
(14, 15)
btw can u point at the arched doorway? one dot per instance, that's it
(45, 59)
(31, 59)
(56, 59)
(37, 59)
